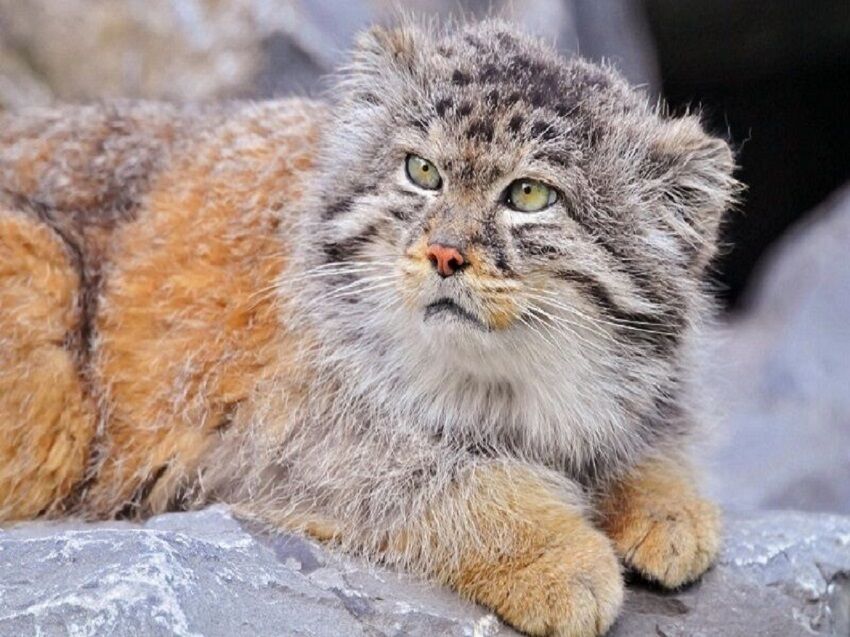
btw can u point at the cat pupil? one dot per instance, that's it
(526, 189)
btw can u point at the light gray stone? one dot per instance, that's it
(204, 573)
(781, 573)
(782, 376)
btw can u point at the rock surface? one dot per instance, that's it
(782, 376)
(204, 573)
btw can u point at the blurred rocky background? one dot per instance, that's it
(782, 375)
(212, 49)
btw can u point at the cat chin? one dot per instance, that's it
(455, 331)
(459, 346)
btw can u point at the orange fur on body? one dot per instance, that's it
(187, 299)
(186, 322)
(47, 421)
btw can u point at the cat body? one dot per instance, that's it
(445, 321)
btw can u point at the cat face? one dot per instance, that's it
(480, 193)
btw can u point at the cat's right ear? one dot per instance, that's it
(379, 45)
(382, 54)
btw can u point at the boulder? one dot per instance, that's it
(206, 574)
(781, 376)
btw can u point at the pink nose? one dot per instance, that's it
(446, 259)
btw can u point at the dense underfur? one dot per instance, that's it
(236, 303)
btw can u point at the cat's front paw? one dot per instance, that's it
(571, 589)
(669, 542)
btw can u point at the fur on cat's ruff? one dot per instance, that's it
(175, 328)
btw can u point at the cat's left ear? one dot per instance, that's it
(694, 176)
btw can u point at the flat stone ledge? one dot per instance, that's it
(205, 574)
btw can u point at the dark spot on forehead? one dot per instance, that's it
(558, 157)
(490, 73)
(527, 66)
(512, 98)
(542, 94)
(493, 98)
(568, 106)
(443, 105)
(594, 134)
(515, 124)
(459, 78)
(445, 51)
(419, 123)
(480, 129)
(538, 82)
(543, 130)
(464, 109)
(467, 172)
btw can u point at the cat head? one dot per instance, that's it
(483, 201)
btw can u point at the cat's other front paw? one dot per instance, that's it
(668, 542)
(570, 589)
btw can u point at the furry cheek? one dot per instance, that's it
(502, 312)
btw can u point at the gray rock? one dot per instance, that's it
(207, 49)
(204, 573)
(782, 376)
(781, 573)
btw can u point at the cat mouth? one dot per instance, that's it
(445, 308)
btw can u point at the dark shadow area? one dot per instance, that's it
(774, 77)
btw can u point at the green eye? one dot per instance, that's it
(423, 173)
(528, 195)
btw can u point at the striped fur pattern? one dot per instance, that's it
(237, 303)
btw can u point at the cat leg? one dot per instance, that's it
(530, 555)
(659, 524)
(509, 536)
